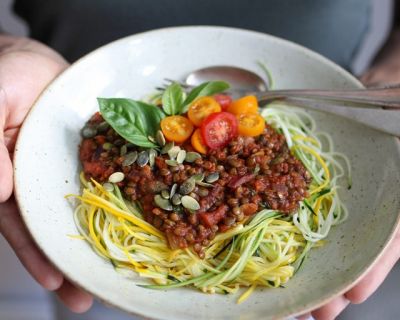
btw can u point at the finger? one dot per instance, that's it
(6, 183)
(15, 232)
(368, 285)
(74, 298)
(332, 309)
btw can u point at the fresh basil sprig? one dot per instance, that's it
(133, 120)
(173, 97)
(205, 89)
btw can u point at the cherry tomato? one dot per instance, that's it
(223, 100)
(198, 142)
(250, 124)
(201, 108)
(176, 128)
(218, 129)
(246, 104)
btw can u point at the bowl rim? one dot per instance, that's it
(306, 308)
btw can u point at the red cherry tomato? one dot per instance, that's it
(223, 100)
(218, 129)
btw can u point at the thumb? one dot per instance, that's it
(6, 170)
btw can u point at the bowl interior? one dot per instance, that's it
(133, 67)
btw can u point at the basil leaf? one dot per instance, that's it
(172, 99)
(205, 89)
(133, 120)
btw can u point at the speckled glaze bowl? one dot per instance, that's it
(133, 67)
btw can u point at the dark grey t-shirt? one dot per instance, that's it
(334, 28)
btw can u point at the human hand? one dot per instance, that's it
(26, 67)
(365, 287)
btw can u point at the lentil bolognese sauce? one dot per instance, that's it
(198, 189)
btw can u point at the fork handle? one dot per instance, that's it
(376, 97)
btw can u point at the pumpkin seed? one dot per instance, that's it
(176, 199)
(130, 158)
(88, 132)
(192, 156)
(162, 203)
(142, 159)
(103, 126)
(198, 177)
(204, 184)
(167, 147)
(256, 169)
(173, 152)
(190, 203)
(119, 142)
(160, 138)
(172, 163)
(123, 150)
(173, 190)
(212, 177)
(158, 186)
(181, 156)
(152, 139)
(165, 194)
(152, 157)
(188, 186)
(116, 177)
(108, 186)
(107, 146)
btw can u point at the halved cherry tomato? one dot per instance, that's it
(201, 108)
(218, 129)
(246, 104)
(176, 128)
(223, 100)
(198, 142)
(250, 124)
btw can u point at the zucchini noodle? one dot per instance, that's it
(265, 251)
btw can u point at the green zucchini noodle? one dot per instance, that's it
(266, 250)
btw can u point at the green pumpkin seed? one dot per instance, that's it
(198, 177)
(204, 184)
(176, 199)
(172, 163)
(88, 132)
(116, 177)
(162, 203)
(123, 150)
(108, 186)
(256, 169)
(173, 190)
(152, 157)
(167, 147)
(107, 146)
(142, 159)
(212, 177)
(173, 152)
(160, 138)
(190, 203)
(192, 156)
(130, 158)
(103, 126)
(181, 156)
(165, 194)
(188, 186)
(152, 139)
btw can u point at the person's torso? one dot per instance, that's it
(75, 27)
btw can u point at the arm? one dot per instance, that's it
(26, 67)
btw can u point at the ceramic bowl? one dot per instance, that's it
(134, 66)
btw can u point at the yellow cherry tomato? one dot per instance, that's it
(198, 142)
(176, 128)
(250, 124)
(201, 108)
(246, 104)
